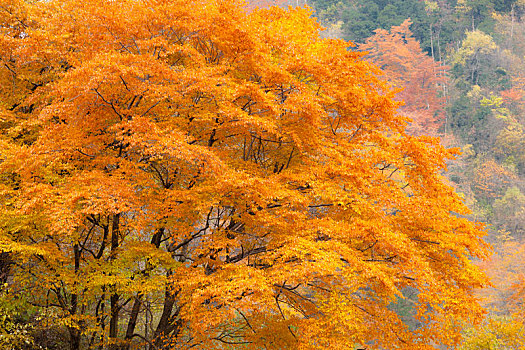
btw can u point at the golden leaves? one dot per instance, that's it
(236, 171)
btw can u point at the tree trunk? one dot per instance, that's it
(132, 323)
(114, 299)
(5, 266)
(74, 332)
(166, 316)
(74, 338)
(432, 41)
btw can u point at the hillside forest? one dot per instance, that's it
(269, 174)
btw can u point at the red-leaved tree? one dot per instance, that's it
(406, 65)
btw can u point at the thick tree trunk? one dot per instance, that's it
(114, 299)
(5, 266)
(113, 322)
(74, 338)
(132, 323)
(166, 318)
(135, 310)
(168, 323)
(74, 332)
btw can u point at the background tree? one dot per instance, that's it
(475, 59)
(407, 67)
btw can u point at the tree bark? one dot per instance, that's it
(114, 298)
(5, 266)
(163, 327)
(132, 323)
(74, 338)
(74, 332)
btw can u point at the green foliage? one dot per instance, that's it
(362, 17)
(15, 325)
(439, 26)
(473, 121)
(510, 144)
(476, 14)
(510, 210)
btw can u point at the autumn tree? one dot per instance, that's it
(180, 174)
(475, 61)
(510, 141)
(407, 67)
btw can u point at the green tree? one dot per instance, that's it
(510, 211)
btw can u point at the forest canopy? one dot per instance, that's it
(190, 175)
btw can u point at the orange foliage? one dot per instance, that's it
(407, 67)
(253, 4)
(220, 179)
(491, 179)
(512, 95)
